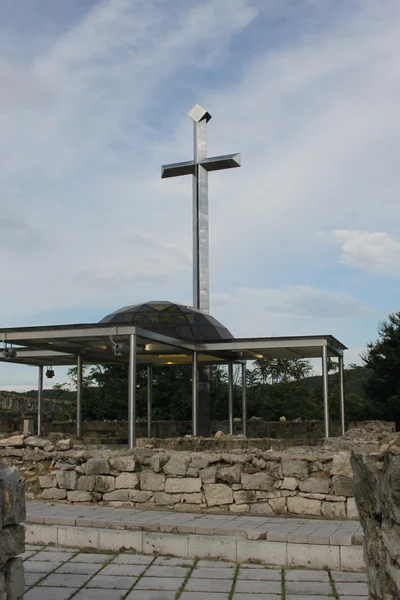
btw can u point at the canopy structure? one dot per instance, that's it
(113, 340)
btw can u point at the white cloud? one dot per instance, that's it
(375, 252)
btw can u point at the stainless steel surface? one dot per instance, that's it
(149, 398)
(341, 396)
(132, 391)
(40, 402)
(199, 168)
(79, 390)
(195, 392)
(325, 388)
(244, 399)
(230, 396)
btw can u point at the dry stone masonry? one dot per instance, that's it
(12, 534)
(377, 483)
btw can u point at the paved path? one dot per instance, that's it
(274, 529)
(61, 573)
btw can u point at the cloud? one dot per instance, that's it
(375, 252)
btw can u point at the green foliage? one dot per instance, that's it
(382, 359)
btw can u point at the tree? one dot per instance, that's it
(382, 358)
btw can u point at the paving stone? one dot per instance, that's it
(150, 595)
(133, 559)
(97, 594)
(208, 585)
(58, 549)
(123, 570)
(159, 583)
(306, 575)
(260, 574)
(241, 596)
(251, 566)
(216, 573)
(352, 589)
(349, 577)
(111, 582)
(31, 578)
(26, 555)
(308, 587)
(49, 556)
(170, 561)
(258, 587)
(161, 571)
(201, 596)
(53, 593)
(40, 567)
(308, 597)
(84, 557)
(65, 580)
(215, 564)
(80, 568)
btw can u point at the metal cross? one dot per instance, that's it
(199, 167)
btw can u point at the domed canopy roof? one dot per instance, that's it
(176, 320)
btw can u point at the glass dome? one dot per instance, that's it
(176, 320)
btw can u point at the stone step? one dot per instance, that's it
(310, 543)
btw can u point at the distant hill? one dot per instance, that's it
(15, 404)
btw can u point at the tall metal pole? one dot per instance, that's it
(79, 389)
(341, 396)
(132, 392)
(230, 396)
(195, 393)
(325, 384)
(40, 402)
(244, 399)
(149, 398)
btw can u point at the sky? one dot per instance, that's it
(94, 96)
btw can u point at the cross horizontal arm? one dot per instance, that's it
(176, 169)
(217, 163)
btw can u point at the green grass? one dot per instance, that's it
(188, 576)
(235, 576)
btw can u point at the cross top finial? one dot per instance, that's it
(198, 113)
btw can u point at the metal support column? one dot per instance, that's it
(132, 392)
(325, 384)
(40, 402)
(244, 399)
(341, 396)
(149, 398)
(79, 388)
(230, 396)
(195, 393)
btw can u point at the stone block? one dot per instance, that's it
(257, 481)
(218, 494)
(123, 463)
(41, 534)
(86, 483)
(230, 474)
(315, 485)
(352, 558)
(164, 499)
(289, 483)
(196, 498)
(303, 506)
(313, 556)
(47, 481)
(9, 474)
(334, 510)
(165, 543)
(66, 479)
(12, 542)
(16, 441)
(12, 503)
(139, 495)
(152, 481)
(54, 494)
(176, 466)
(278, 505)
(192, 472)
(127, 480)
(97, 466)
(244, 496)
(274, 468)
(261, 508)
(183, 485)
(14, 579)
(312, 496)
(208, 475)
(295, 468)
(343, 486)
(239, 509)
(268, 553)
(115, 541)
(36, 442)
(3, 593)
(208, 546)
(64, 445)
(200, 462)
(155, 463)
(79, 496)
(81, 537)
(104, 483)
(352, 511)
(341, 464)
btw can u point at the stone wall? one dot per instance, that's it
(377, 479)
(297, 481)
(12, 534)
